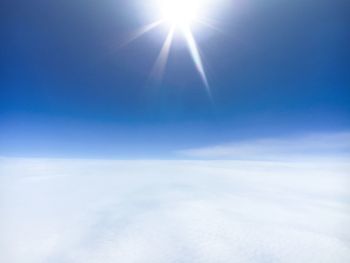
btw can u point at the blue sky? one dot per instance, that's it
(68, 88)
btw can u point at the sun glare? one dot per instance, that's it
(181, 16)
(179, 12)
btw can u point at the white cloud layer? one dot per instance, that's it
(334, 145)
(68, 211)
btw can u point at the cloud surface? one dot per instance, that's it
(93, 211)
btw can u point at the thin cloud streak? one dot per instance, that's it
(307, 146)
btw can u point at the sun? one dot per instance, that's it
(181, 16)
(180, 13)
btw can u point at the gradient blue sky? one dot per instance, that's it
(68, 89)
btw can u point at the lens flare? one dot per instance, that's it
(180, 16)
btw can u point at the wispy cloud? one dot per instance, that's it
(307, 146)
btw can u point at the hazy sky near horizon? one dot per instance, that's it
(68, 88)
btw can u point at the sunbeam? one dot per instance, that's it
(192, 45)
(181, 16)
(140, 32)
(159, 66)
